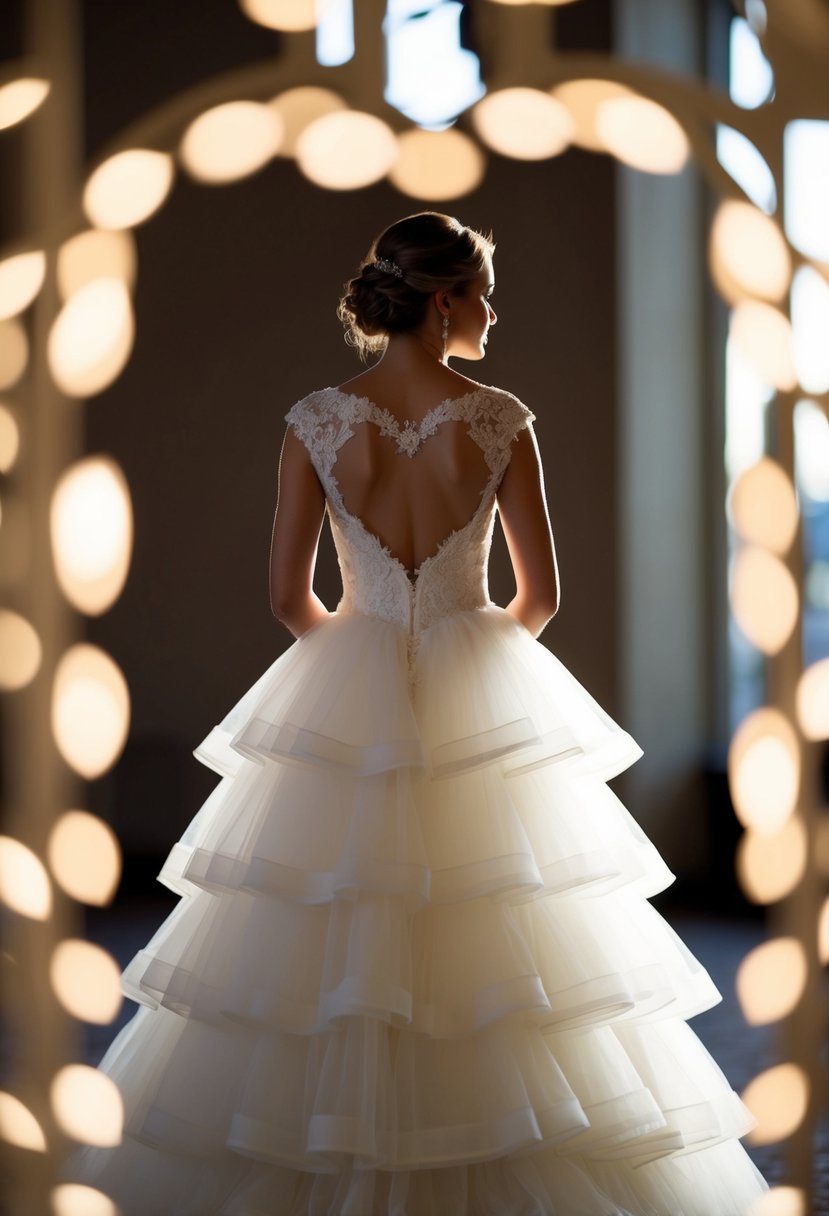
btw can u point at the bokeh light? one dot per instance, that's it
(810, 325)
(813, 700)
(770, 866)
(85, 857)
(582, 99)
(96, 254)
(764, 598)
(437, 164)
(298, 108)
(9, 439)
(91, 338)
(231, 141)
(73, 1199)
(526, 124)
(90, 709)
(85, 979)
(779, 1201)
(14, 352)
(748, 254)
(20, 651)
(642, 134)
(92, 529)
(128, 188)
(288, 15)
(771, 979)
(764, 770)
(345, 151)
(18, 1126)
(811, 442)
(762, 506)
(763, 335)
(21, 278)
(87, 1104)
(20, 98)
(778, 1099)
(24, 884)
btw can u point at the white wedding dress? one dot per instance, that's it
(414, 970)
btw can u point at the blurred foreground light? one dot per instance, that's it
(764, 598)
(288, 15)
(298, 108)
(231, 141)
(778, 1099)
(92, 528)
(779, 1201)
(748, 254)
(642, 134)
(582, 99)
(806, 185)
(771, 979)
(437, 164)
(73, 1199)
(24, 883)
(769, 867)
(811, 443)
(18, 1126)
(128, 188)
(91, 338)
(90, 709)
(85, 857)
(763, 335)
(762, 506)
(526, 124)
(19, 98)
(87, 1104)
(345, 151)
(21, 278)
(14, 352)
(20, 651)
(85, 979)
(810, 324)
(764, 770)
(9, 439)
(96, 254)
(813, 700)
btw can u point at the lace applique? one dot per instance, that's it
(454, 577)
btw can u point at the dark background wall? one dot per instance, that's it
(235, 304)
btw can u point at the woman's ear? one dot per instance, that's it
(442, 300)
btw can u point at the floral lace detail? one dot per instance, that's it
(454, 577)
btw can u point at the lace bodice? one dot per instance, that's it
(454, 577)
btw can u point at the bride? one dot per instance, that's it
(414, 970)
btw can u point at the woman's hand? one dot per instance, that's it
(522, 505)
(300, 510)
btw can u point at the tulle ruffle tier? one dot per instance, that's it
(413, 970)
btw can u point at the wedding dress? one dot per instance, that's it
(414, 970)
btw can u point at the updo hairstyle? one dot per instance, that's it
(435, 253)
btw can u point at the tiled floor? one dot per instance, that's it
(741, 1050)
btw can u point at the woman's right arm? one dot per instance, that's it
(300, 510)
(522, 505)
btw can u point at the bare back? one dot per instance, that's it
(411, 505)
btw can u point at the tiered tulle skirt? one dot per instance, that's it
(414, 970)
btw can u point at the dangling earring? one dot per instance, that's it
(445, 333)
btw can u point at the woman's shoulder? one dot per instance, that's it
(493, 400)
(314, 405)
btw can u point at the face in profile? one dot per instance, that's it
(472, 316)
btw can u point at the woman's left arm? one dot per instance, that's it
(297, 523)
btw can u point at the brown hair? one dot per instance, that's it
(435, 252)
